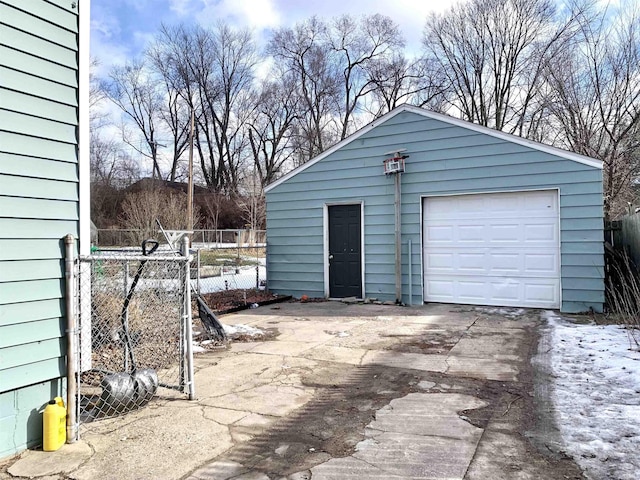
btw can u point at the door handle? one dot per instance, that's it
(330, 257)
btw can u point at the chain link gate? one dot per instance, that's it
(134, 338)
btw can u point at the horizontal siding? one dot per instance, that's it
(38, 204)
(31, 290)
(27, 333)
(33, 311)
(18, 271)
(22, 20)
(583, 248)
(16, 144)
(30, 167)
(35, 372)
(579, 272)
(29, 249)
(580, 260)
(38, 86)
(39, 127)
(37, 47)
(37, 229)
(444, 160)
(16, 186)
(444, 183)
(39, 67)
(57, 12)
(19, 207)
(585, 223)
(13, 356)
(577, 296)
(37, 107)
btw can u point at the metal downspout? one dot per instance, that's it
(70, 312)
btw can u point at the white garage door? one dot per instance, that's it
(493, 249)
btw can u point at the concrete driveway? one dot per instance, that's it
(338, 391)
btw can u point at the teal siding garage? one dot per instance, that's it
(486, 218)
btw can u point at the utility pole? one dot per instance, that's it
(190, 187)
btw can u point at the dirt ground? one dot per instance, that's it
(221, 302)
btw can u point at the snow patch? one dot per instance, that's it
(506, 312)
(241, 329)
(597, 396)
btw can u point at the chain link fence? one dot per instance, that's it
(208, 239)
(134, 335)
(229, 269)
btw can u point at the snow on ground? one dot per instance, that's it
(597, 397)
(234, 331)
(246, 278)
(505, 311)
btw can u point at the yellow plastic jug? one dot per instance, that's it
(54, 425)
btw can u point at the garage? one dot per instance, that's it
(470, 215)
(492, 249)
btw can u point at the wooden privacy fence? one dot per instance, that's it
(624, 234)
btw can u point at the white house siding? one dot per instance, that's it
(446, 158)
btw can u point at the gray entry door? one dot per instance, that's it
(345, 256)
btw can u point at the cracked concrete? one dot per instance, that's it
(343, 391)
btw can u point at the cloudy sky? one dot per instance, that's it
(121, 28)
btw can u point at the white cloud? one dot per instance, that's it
(409, 14)
(181, 7)
(257, 14)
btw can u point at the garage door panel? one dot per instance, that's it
(541, 292)
(541, 233)
(496, 249)
(504, 233)
(508, 261)
(442, 289)
(525, 232)
(470, 262)
(546, 263)
(533, 204)
(441, 261)
(439, 234)
(503, 291)
(469, 233)
(472, 291)
(506, 291)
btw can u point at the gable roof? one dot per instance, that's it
(592, 162)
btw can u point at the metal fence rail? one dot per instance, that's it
(134, 333)
(225, 269)
(207, 238)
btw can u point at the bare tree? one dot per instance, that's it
(302, 51)
(132, 88)
(358, 46)
(97, 117)
(492, 52)
(398, 80)
(141, 209)
(176, 111)
(212, 69)
(270, 128)
(594, 97)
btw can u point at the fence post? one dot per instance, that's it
(198, 271)
(187, 319)
(70, 303)
(125, 319)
